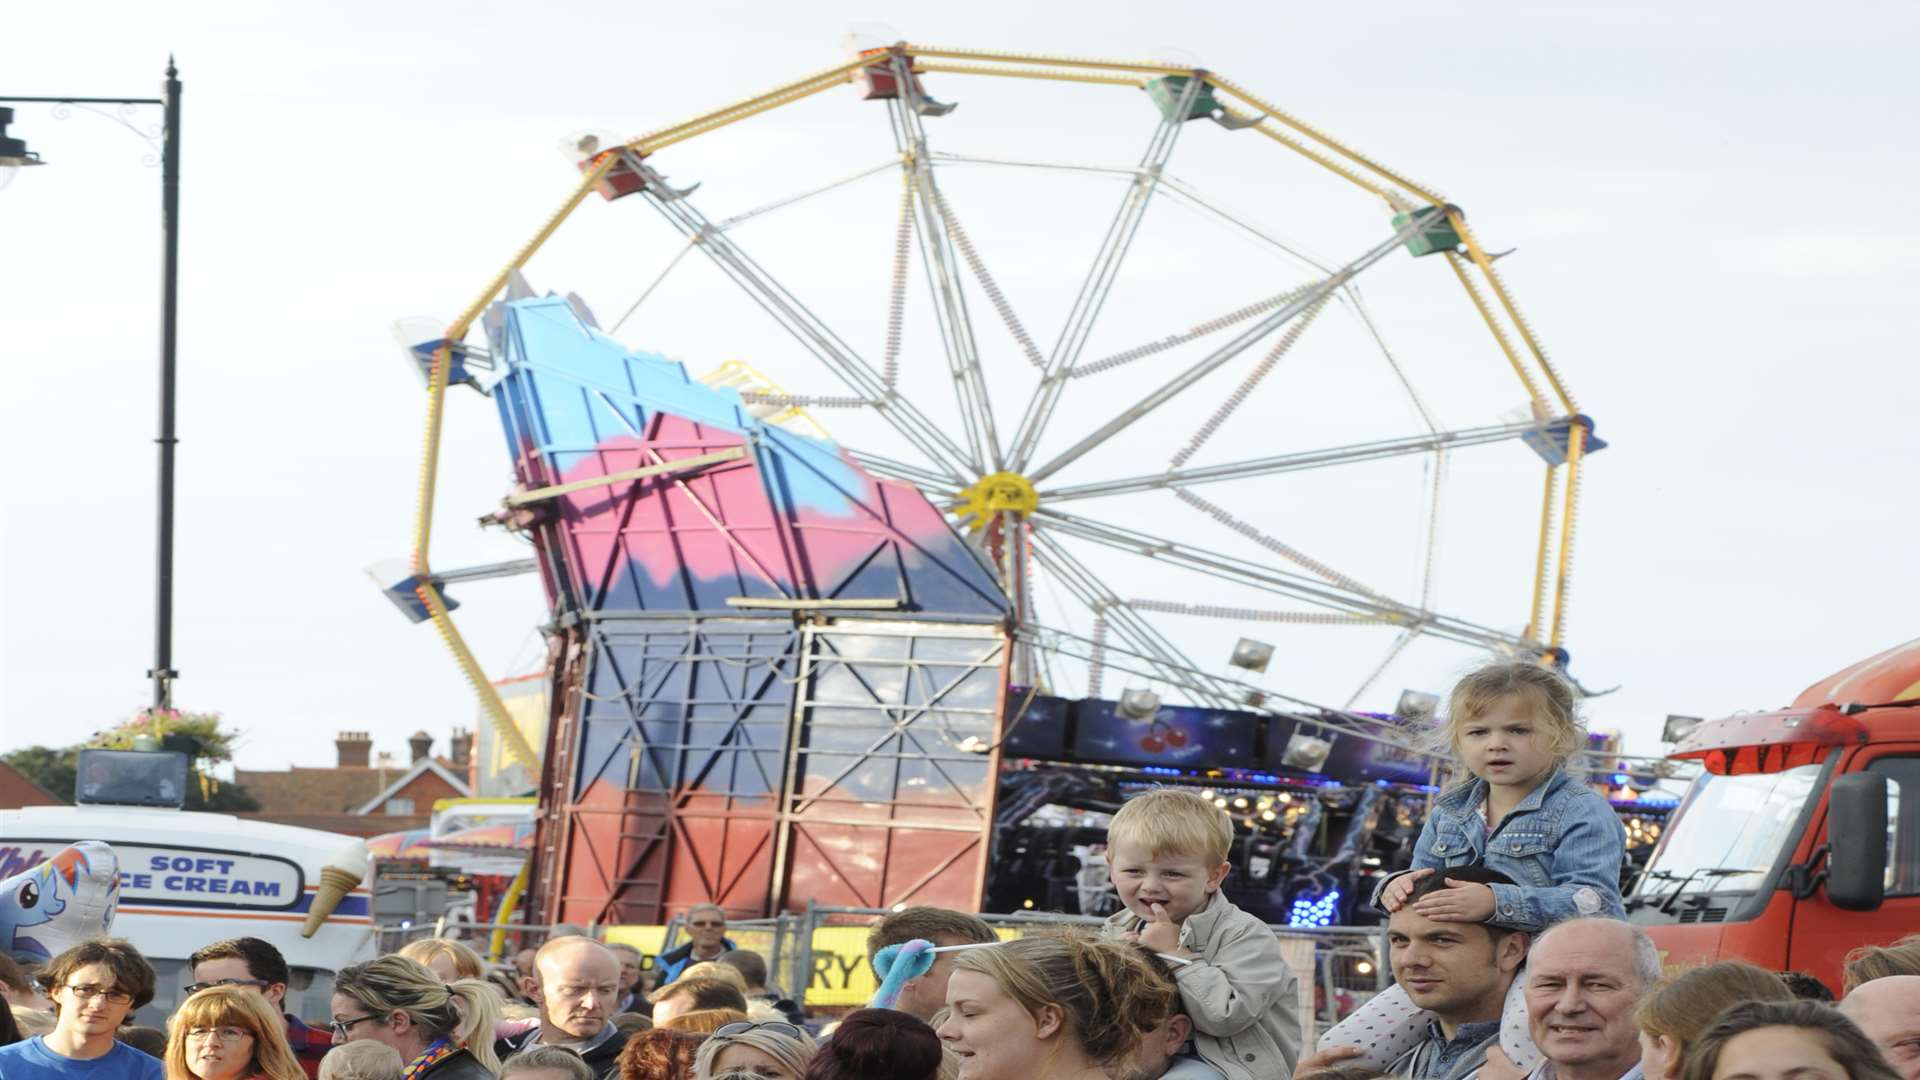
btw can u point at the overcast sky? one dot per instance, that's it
(1710, 202)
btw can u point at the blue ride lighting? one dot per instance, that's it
(1318, 911)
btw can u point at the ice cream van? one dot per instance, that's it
(188, 879)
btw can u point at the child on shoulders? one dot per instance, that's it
(1167, 850)
(1511, 729)
(1511, 726)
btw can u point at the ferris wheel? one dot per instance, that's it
(1177, 429)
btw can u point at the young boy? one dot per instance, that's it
(1167, 852)
(93, 986)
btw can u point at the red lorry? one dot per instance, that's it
(1795, 845)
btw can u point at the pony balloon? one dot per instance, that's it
(48, 908)
(897, 965)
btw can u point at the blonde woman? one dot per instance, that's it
(450, 960)
(229, 1033)
(773, 1050)
(442, 1032)
(1051, 1007)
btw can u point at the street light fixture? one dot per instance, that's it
(13, 156)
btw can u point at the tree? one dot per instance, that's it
(51, 769)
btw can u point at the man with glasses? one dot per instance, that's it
(707, 927)
(249, 961)
(93, 986)
(577, 982)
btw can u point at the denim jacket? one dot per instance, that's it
(1563, 844)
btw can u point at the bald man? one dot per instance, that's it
(1888, 1010)
(1584, 978)
(576, 983)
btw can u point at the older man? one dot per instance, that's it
(707, 929)
(578, 981)
(1584, 978)
(1888, 1010)
(1458, 973)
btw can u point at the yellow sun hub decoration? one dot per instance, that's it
(992, 494)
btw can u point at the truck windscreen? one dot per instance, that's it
(1728, 833)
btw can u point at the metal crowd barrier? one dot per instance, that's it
(1340, 966)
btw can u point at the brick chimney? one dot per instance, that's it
(460, 749)
(421, 744)
(356, 749)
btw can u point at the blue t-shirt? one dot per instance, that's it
(29, 1059)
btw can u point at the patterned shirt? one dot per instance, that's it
(310, 1044)
(1440, 1054)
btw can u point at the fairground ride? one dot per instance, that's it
(785, 672)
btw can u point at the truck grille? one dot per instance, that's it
(1704, 915)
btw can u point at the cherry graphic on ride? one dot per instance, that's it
(1160, 735)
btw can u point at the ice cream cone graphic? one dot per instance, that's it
(337, 879)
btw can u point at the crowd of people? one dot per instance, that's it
(1510, 952)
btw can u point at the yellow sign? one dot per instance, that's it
(840, 976)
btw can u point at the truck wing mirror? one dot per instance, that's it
(1857, 835)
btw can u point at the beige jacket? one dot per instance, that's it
(1242, 996)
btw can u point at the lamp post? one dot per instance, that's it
(13, 155)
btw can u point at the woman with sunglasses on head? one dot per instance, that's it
(443, 1032)
(229, 1033)
(770, 1050)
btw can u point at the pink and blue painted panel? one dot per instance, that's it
(794, 518)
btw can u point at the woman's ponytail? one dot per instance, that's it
(478, 1004)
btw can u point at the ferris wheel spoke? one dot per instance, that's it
(1240, 343)
(793, 316)
(1266, 578)
(925, 479)
(1100, 278)
(1199, 684)
(1281, 463)
(937, 233)
(1181, 191)
(1121, 620)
